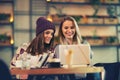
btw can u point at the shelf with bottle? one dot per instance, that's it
(87, 20)
(85, 2)
(6, 18)
(102, 40)
(6, 21)
(104, 46)
(110, 17)
(98, 41)
(6, 40)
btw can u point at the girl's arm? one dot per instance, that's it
(21, 49)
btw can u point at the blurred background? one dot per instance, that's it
(98, 20)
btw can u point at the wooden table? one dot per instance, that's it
(51, 71)
(42, 71)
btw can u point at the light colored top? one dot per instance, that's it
(21, 57)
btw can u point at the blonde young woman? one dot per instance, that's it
(69, 34)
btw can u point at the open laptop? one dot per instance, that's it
(80, 54)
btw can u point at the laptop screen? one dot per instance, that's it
(74, 54)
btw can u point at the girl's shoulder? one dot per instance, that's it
(25, 44)
(56, 45)
(85, 42)
(22, 48)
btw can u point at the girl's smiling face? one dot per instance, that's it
(68, 29)
(48, 35)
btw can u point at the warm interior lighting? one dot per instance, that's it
(11, 19)
(11, 41)
(49, 18)
(48, 0)
(85, 19)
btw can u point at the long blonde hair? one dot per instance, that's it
(77, 39)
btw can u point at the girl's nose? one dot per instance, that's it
(69, 30)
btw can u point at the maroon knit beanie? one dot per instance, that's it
(42, 24)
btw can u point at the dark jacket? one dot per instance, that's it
(4, 71)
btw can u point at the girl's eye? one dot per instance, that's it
(52, 33)
(66, 27)
(72, 27)
(47, 32)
